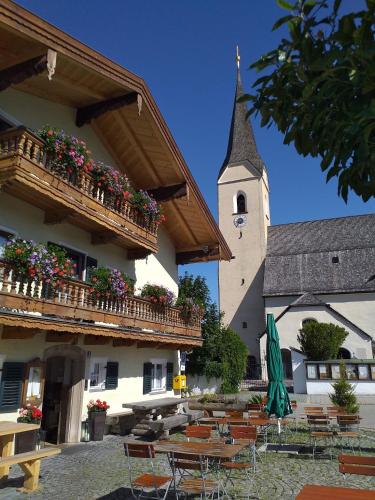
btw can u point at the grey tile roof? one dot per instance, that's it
(299, 256)
(307, 299)
(241, 144)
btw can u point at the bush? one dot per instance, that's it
(344, 396)
(321, 341)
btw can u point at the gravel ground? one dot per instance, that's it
(98, 470)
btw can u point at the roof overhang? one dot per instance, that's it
(140, 142)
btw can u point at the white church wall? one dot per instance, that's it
(289, 325)
(321, 387)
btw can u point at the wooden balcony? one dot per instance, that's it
(69, 307)
(26, 174)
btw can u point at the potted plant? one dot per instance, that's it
(189, 310)
(109, 284)
(158, 295)
(26, 441)
(97, 411)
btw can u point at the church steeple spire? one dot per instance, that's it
(241, 145)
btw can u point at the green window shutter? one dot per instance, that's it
(147, 368)
(111, 379)
(169, 376)
(11, 386)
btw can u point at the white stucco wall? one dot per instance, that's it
(322, 387)
(289, 325)
(130, 359)
(299, 372)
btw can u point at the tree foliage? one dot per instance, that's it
(321, 341)
(343, 395)
(319, 89)
(223, 354)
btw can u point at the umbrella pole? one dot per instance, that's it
(279, 429)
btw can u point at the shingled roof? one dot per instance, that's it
(241, 145)
(323, 256)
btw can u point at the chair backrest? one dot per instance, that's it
(244, 432)
(332, 410)
(293, 404)
(198, 431)
(234, 414)
(255, 406)
(139, 450)
(348, 419)
(354, 464)
(318, 420)
(311, 410)
(186, 461)
(257, 414)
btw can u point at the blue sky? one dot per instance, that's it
(185, 51)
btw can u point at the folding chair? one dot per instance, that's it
(246, 435)
(320, 429)
(183, 465)
(234, 414)
(149, 481)
(198, 432)
(348, 431)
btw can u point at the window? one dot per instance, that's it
(335, 260)
(244, 324)
(98, 368)
(4, 237)
(241, 203)
(308, 320)
(158, 374)
(83, 262)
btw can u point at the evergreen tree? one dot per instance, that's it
(344, 396)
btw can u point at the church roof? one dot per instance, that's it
(323, 256)
(241, 144)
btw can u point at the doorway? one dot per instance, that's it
(63, 394)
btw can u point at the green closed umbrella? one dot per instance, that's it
(278, 402)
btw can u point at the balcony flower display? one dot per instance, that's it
(67, 154)
(38, 261)
(110, 283)
(26, 441)
(69, 157)
(190, 311)
(29, 415)
(158, 295)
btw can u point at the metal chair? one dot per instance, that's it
(320, 429)
(183, 465)
(149, 481)
(246, 435)
(348, 432)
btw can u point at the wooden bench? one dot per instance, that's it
(167, 423)
(357, 464)
(30, 464)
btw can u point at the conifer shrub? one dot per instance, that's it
(343, 396)
(320, 341)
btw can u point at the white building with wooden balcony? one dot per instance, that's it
(115, 350)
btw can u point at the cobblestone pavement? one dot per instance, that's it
(98, 470)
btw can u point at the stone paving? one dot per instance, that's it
(98, 470)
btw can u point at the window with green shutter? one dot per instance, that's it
(11, 386)
(147, 382)
(111, 379)
(169, 376)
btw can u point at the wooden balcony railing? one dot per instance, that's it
(24, 163)
(72, 299)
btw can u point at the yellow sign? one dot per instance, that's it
(179, 382)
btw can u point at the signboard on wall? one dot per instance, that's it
(183, 358)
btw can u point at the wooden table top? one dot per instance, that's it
(238, 420)
(316, 492)
(7, 428)
(154, 403)
(209, 450)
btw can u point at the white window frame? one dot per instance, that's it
(163, 363)
(102, 362)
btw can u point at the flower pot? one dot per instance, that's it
(97, 425)
(25, 441)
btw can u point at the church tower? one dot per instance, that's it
(244, 215)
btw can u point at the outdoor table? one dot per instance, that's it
(7, 433)
(316, 492)
(214, 450)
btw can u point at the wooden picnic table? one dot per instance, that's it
(317, 492)
(257, 421)
(7, 433)
(215, 450)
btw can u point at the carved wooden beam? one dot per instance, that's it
(102, 237)
(20, 72)
(138, 253)
(196, 255)
(145, 345)
(96, 340)
(166, 193)
(17, 333)
(53, 336)
(57, 217)
(123, 342)
(88, 113)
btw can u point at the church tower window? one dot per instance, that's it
(241, 203)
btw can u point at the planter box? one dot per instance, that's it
(97, 425)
